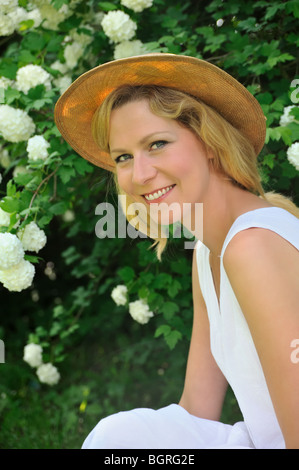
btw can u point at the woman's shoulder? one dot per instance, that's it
(256, 229)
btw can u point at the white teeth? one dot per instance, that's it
(159, 193)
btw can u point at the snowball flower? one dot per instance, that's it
(18, 277)
(137, 5)
(140, 312)
(30, 76)
(19, 14)
(15, 124)
(5, 82)
(7, 25)
(68, 216)
(293, 155)
(35, 16)
(129, 49)
(286, 117)
(53, 17)
(4, 158)
(32, 237)
(7, 6)
(37, 148)
(118, 26)
(11, 250)
(62, 83)
(119, 295)
(33, 354)
(48, 374)
(4, 217)
(72, 53)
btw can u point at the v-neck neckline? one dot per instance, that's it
(212, 282)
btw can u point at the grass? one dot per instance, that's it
(96, 381)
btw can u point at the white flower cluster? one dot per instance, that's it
(47, 373)
(32, 237)
(137, 5)
(33, 355)
(129, 49)
(37, 148)
(5, 217)
(118, 26)
(8, 6)
(16, 273)
(286, 117)
(5, 82)
(72, 53)
(11, 15)
(15, 124)
(293, 155)
(30, 76)
(63, 82)
(139, 310)
(52, 17)
(119, 295)
(5, 160)
(76, 44)
(11, 249)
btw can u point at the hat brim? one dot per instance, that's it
(75, 108)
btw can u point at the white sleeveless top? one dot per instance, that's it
(231, 342)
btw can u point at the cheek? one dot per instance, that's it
(191, 164)
(123, 181)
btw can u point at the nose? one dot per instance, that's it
(143, 169)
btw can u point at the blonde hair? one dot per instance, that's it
(234, 156)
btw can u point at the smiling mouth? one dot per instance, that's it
(159, 193)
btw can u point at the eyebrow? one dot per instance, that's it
(141, 142)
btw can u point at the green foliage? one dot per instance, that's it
(108, 361)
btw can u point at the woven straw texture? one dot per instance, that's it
(75, 108)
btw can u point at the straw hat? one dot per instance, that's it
(75, 108)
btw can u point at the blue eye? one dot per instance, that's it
(158, 144)
(122, 158)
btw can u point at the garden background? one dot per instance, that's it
(57, 294)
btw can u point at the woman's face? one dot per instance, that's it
(157, 160)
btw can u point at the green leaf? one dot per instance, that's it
(45, 220)
(127, 274)
(55, 329)
(11, 94)
(26, 24)
(292, 7)
(23, 179)
(171, 336)
(162, 330)
(10, 204)
(59, 3)
(58, 311)
(65, 173)
(58, 208)
(269, 160)
(11, 189)
(33, 259)
(34, 42)
(8, 68)
(107, 6)
(82, 166)
(169, 309)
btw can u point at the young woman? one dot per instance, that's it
(176, 129)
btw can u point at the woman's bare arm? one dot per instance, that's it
(263, 269)
(205, 386)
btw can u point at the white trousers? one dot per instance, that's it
(171, 427)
